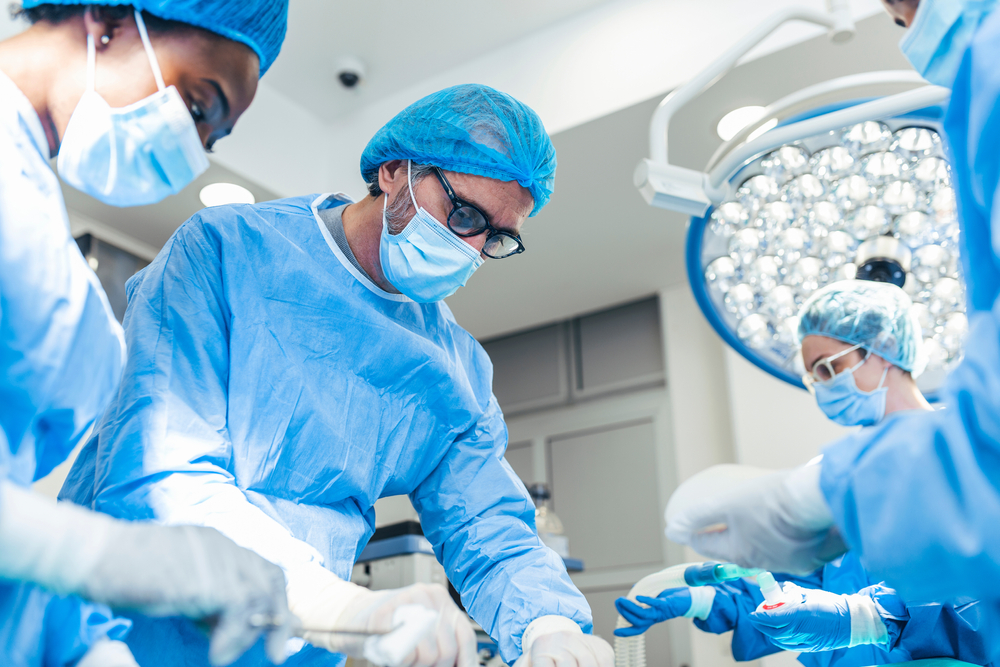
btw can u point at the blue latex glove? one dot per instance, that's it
(671, 603)
(816, 620)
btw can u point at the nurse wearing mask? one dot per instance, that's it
(862, 345)
(294, 361)
(126, 99)
(917, 498)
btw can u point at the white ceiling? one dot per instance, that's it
(398, 42)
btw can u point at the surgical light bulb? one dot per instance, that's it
(867, 137)
(728, 218)
(804, 275)
(754, 331)
(946, 295)
(804, 190)
(741, 300)
(789, 245)
(932, 172)
(757, 191)
(736, 120)
(721, 274)
(912, 142)
(785, 163)
(852, 192)
(833, 163)
(929, 262)
(773, 218)
(868, 221)
(743, 246)
(779, 304)
(914, 229)
(899, 197)
(764, 273)
(944, 205)
(838, 248)
(882, 167)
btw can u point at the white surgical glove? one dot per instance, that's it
(157, 570)
(556, 641)
(426, 628)
(773, 520)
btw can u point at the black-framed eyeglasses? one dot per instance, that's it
(467, 220)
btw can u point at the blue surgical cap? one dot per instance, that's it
(471, 129)
(877, 316)
(260, 24)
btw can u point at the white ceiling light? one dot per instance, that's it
(219, 194)
(736, 120)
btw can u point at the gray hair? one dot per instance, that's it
(400, 209)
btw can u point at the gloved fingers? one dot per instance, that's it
(631, 632)
(602, 651)
(465, 636)
(232, 637)
(671, 606)
(584, 654)
(635, 614)
(277, 638)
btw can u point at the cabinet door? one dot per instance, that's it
(604, 489)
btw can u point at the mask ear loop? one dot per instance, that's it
(409, 183)
(884, 374)
(91, 63)
(153, 62)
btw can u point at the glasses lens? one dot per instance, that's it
(502, 245)
(467, 221)
(822, 371)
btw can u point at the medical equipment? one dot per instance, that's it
(631, 651)
(828, 185)
(769, 588)
(547, 523)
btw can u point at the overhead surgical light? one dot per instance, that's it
(835, 189)
(736, 120)
(219, 194)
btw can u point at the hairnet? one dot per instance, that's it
(876, 316)
(471, 129)
(260, 24)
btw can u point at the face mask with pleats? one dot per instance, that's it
(425, 261)
(841, 400)
(134, 155)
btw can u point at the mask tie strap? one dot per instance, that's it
(153, 62)
(882, 381)
(91, 62)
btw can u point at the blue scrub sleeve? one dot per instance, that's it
(481, 521)
(919, 495)
(165, 447)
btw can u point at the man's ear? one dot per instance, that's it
(389, 175)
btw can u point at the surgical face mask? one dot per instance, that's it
(425, 261)
(840, 399)
(134, 155)
(939, 36)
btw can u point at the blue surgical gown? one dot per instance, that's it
(61, 355)
(963, 629)
(274, 393)
(918, 496)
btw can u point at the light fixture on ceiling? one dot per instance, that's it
(820, 187)
(219, 194)
(736, 120)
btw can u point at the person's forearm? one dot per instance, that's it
(55, 545)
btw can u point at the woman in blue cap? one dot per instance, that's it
(861, 344)
(126, 97)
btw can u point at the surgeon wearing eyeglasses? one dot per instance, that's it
(294, 361)
(863, 346)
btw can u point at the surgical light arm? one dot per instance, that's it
(692, 192)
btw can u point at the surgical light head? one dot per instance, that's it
(877, 316)
(471, 129)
